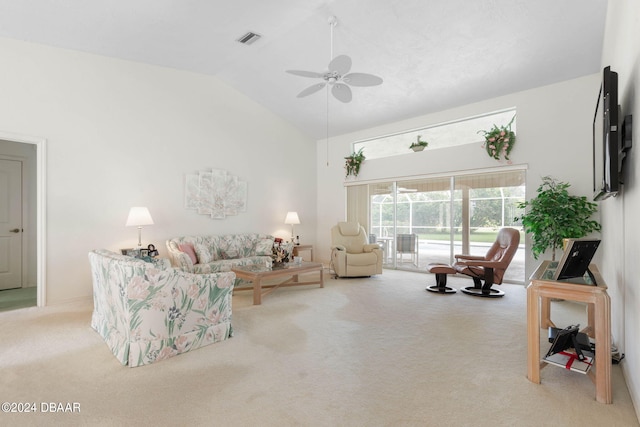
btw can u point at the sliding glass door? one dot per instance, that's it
(426, 220)
(382, 207)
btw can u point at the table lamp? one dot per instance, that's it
(292, 218)
(139, 216)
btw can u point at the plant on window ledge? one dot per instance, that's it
(499, 141)
(418, 145)
(352, 163)
(554, 215)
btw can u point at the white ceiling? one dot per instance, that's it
(432, 54)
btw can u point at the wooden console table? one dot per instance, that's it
(539, 295)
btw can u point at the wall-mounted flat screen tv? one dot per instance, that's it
(606, 138)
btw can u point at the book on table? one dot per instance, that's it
(568, 352)
(569, 360)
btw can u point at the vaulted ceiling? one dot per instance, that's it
(431, 54)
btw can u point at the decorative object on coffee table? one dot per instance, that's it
(281, 253)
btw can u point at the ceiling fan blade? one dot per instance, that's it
(362, 79)
(305, 73)
(340, 64)
(311, 89)
(342, 92)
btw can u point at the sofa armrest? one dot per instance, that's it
(161, 263)
(179, 259)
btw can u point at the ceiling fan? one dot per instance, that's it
(338, 77)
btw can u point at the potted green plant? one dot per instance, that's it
(499, 141)
(554, 215)
(352, 163)
(418, 145)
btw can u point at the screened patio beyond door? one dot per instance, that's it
(443, 215)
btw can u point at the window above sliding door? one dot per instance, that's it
(441, 135)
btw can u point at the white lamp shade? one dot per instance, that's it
(292, 218)
(139, 216)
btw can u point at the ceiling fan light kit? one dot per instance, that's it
(338, 76)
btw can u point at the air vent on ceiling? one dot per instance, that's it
(249, 38)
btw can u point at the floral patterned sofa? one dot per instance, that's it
(208, 254)
(147, 312)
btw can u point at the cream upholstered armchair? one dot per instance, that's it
(351, 254)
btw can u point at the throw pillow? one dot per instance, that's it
(264, 247)
(188, 249)
(204, 256)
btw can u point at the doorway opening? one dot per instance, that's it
(17, 151)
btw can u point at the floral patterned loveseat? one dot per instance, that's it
(149, 312)
(208, 254)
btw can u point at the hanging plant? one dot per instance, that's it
(352, 163)
(499, 141)
(419, 145)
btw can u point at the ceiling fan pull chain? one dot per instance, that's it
(333, 21)
(327, 99)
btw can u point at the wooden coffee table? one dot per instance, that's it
(257, 273)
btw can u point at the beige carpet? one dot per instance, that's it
(360, 352)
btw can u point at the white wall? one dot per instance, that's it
(122, 134)
(554, 137)
(621, 245)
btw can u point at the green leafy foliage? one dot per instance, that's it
(499, 141)
(419, 142)
(554, 215)
(352, 163)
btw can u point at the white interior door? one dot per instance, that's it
(10, 224)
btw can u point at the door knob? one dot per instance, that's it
(15, 230)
